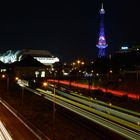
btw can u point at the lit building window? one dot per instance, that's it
(43, 74)
(36, 73)
(3, 70)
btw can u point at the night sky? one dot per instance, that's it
(68, 28)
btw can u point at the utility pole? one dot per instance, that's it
(22, 95)
(54, 113)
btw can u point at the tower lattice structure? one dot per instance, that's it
(102, 41)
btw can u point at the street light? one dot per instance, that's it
(22, 88)
(45, 84)
(7, 84)
(7, 81)
(89, 78)
(54, 113)
(22, 84)
(16, 78)
(3, 76)
(110, 71)
(54, 109)
(78, 61)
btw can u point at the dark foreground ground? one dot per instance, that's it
(39, 111)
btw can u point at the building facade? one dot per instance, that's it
(42, 56)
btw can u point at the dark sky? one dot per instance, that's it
(68, 28)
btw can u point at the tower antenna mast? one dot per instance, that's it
(102, 41)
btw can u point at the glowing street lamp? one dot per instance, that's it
(45, 84)
(16, 78)
(97, 74)
(54, 112)
(22, 94)
(110, 104)
(7, 77)
(73, 63)
(78, 61)
(110, 71)
(3, 76)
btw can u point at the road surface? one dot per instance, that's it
(16, 128)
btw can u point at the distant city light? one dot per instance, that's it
(73, 63)
(45, 84)
(110, 71)
(88, 75)
(97, 74)
(65, 73)
(78, 61)
(16, 78)
(124, 48)
(3, 76)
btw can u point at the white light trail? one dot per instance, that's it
(4, 135)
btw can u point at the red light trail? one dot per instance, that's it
(115, 92)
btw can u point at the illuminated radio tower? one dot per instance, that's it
(102, 41)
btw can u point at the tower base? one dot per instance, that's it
(101, 52)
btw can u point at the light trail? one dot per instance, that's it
(33, 131)
(115, 92)
(106, 104)
(97, 112)
(102, 108)
(1, 136)
(4, 135)
(92, 115)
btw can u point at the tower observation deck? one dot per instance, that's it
(102, 41)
